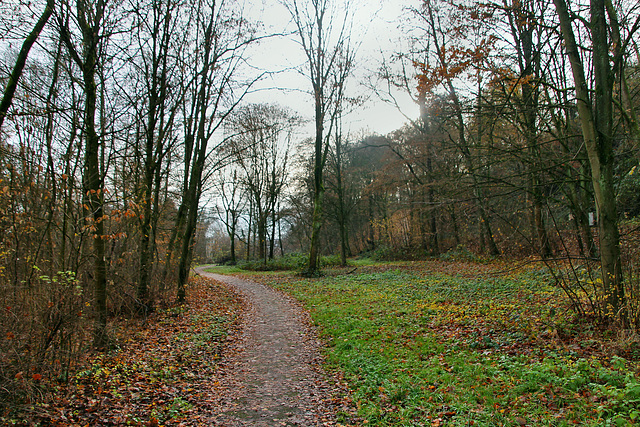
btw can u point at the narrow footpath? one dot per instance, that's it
(272, 375)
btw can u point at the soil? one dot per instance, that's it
(272, 374)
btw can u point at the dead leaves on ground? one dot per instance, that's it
(163, 372)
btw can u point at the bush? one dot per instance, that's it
(386, 253)
(225, 259)
(43, 326)
(330, 261)
(293, 261)
(460, 253)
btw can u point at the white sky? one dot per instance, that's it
(376, 26)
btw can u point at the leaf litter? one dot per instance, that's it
(235, 354)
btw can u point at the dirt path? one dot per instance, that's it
(272, 375)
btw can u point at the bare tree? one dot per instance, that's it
(89, 19)
(220, 38)
(232, 202)
(261, 149)
(158, 44)
(325, 40)
(595, 111)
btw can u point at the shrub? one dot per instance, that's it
(459, 253)
(293, 261)
(43, 326)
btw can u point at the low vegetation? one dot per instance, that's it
(289, 262)
(459, 343)
(160, 371)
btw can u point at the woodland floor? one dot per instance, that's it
(181, 368)
(428, 343)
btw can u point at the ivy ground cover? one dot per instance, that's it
(445, 343)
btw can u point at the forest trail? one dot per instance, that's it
(272, 374)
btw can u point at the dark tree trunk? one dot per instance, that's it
(90, 19)
(597, 128)
(14, 77)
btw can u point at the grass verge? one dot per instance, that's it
(450, 343)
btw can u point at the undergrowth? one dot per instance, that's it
(161, 371)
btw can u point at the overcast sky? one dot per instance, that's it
(376, 27)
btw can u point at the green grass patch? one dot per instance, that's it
(453, 346)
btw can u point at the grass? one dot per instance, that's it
(447, 343)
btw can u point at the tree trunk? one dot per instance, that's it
(232, 238)
(597, 127)
(272, 241)
(142, 291)
(262, 236)
(191, 200)
(92, 181)
(342, 212)
(316, 225)
(249, 230)
(318, 182)
(12, 82)
(371, 244)
(434, 241)
(454, 222)
(184, 264)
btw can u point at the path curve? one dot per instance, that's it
(272, 377)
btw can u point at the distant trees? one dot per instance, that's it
(231, 205)
(260, 146)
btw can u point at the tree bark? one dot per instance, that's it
(342, 210)
(597, 127)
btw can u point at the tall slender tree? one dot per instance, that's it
(595, 111)
(221, 39)
(89, 17)
(324, 36)
(158, 41)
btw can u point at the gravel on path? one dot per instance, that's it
(272, 375)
